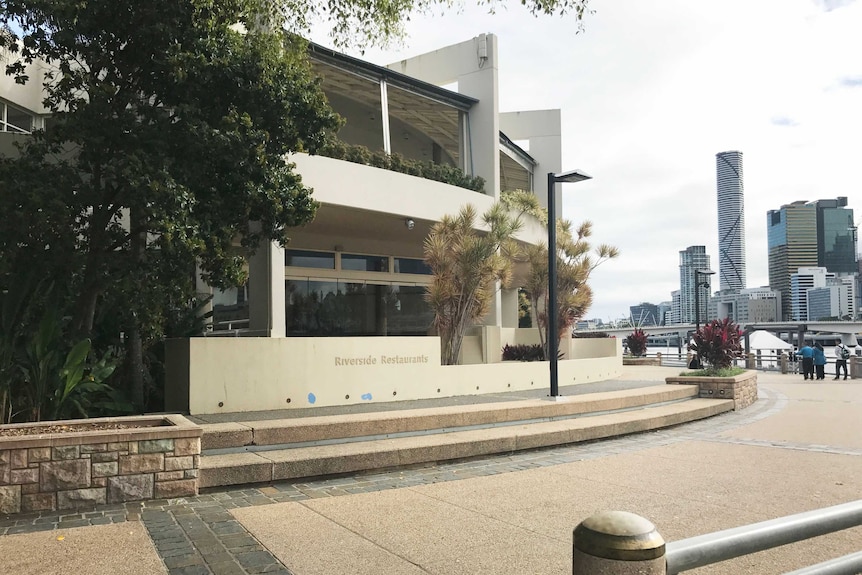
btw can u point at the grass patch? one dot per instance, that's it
(709, 372)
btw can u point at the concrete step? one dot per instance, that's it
(302, 462)
(384, 423)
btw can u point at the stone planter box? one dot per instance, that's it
(742, 388)
(641, 360)
(158, 458)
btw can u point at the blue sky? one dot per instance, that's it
(651, 91)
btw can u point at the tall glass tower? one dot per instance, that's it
(731, 221)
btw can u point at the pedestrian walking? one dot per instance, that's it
(806, 352)
(819, 361)
(842, 354)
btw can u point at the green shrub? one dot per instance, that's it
(637, 343)
(523, 352)
(718, 343)
(395, 162)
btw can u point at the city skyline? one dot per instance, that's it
(646, 105)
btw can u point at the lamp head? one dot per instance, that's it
(572, 176)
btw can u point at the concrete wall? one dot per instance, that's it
(543, 130)
(255, 374)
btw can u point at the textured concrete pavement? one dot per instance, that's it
(797, 448)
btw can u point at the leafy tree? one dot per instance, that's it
(574, 266)
(466, 265)
(356, 22)
(169, 130)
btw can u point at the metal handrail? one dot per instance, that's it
(730, 543)
(846, 565)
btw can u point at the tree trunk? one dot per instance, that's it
(135, 346)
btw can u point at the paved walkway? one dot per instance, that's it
(798, 448)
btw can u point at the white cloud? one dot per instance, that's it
(651, 91)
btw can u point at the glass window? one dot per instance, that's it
(309, 259)
(356, 262)
(230, 308)
(411, 266)
(343, 308)
(18, 120)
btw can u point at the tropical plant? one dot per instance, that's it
(718, 343)
(397, 163)
(466, 265)
(574, 266)
(637, 342)
(523, 352)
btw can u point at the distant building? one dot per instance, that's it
(731, 220)
(644, 314)
(664, 312)
(675, 308)
(836, 245)
(751, 305)
(807, 235)
(690, 259)
(801, 282)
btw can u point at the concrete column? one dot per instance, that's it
(853, 366)
(509, 302)
(658, 357)
(266, 295)
(617, 543)
(492, 344)
(783, 362)
(749, 361)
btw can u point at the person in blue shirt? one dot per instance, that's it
(806, 352)
(819, 361)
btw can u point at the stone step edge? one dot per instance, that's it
(328, 427)
(294, 464)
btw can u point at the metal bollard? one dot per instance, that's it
(617, 543)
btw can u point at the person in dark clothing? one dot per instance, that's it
(806, 352)
(819, 361)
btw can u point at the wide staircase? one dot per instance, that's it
(241, 452)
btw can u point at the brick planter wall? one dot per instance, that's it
(157, 459)
(742, 389)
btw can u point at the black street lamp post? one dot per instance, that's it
(697, 285)
(553, 335)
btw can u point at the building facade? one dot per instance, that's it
(645, 314)
(807, 235)
(749, 305)
(731, 220)
(691, 259)
(792, 242)
(339, 316)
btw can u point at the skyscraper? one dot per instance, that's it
(691, 259)
(807, 235)
(731, 220)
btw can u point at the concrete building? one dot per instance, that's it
(339, 316)
(801, 282)
(731, 220)
(761, 304)
(690, 259)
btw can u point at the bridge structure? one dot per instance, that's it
(796, 331)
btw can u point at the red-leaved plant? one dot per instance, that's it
(637, 342)
(718, 343)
